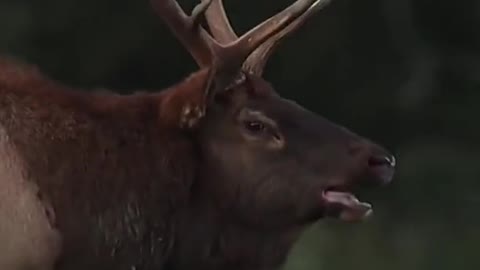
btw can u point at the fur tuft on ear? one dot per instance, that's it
(185, 104)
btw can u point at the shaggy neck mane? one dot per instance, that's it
(76, 147)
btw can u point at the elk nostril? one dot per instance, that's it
(375, 161)
(381, 168)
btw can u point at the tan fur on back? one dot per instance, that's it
(27, 241)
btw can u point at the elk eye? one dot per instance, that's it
(254, 126)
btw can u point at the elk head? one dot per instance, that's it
(265, 159)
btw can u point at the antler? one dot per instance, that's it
(222, 30)
(207, 51)
(187, 28)
(255, 63)
(219, 24)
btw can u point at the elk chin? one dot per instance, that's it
(345, 206)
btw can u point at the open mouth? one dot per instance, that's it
(342, 204)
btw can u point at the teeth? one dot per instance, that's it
(368, 213)
(366, 205)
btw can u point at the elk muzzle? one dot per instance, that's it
(374, 166)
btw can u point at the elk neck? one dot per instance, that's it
(208, 238)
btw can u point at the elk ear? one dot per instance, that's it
(185, 104)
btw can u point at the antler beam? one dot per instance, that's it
(219, 23)
(225, 50)
(222, 30)
(256, 62)
(187, 28)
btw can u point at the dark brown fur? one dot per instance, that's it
(119, 174)
(107, 160)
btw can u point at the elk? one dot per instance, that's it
(215, 172)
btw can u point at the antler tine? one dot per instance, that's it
(219, 23)
(228, 58)
(255, 63)
(251, 40)
(188, 29)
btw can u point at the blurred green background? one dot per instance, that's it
(405, 73)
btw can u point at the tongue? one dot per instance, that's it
(345, 206)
